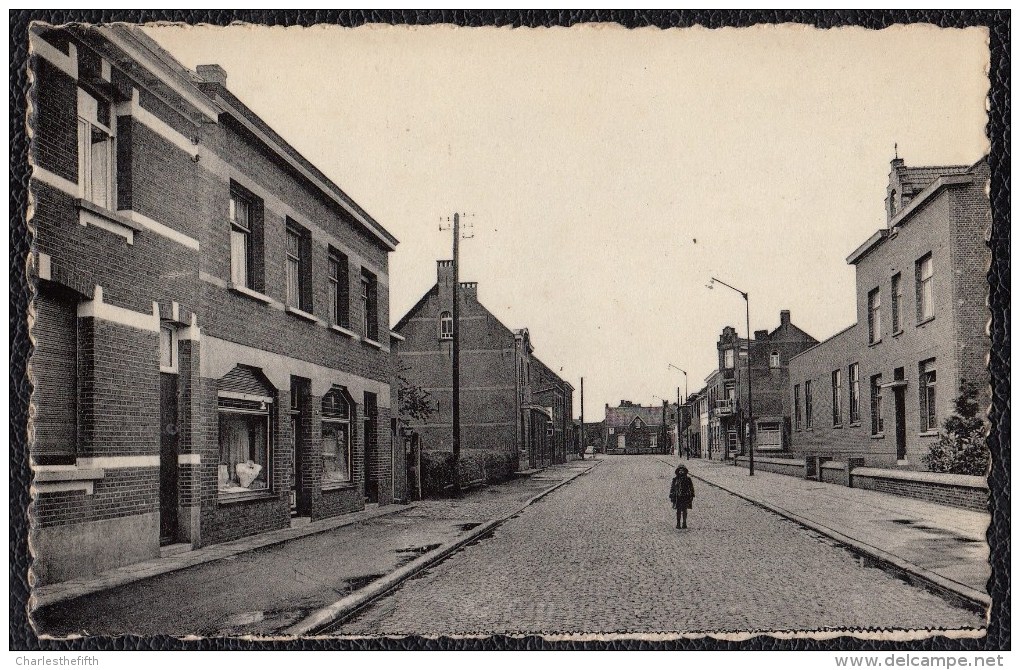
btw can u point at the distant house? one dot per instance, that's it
(726, 390)
(637, 429)
(510, 401)
(880, 389)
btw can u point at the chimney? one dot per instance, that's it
(212, 74)
(784, 317)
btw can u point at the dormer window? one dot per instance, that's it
(446, 326)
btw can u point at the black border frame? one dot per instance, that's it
(22, 637)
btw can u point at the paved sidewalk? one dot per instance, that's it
(942, 545)
(265, 584)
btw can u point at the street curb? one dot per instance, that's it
(353, 603)
(136, 572)
(935, 582)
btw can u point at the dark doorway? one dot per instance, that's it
(168, 498)
(901, 423)
(371, 448)
(300, 418)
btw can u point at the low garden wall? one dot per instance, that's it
(835, 472)
(964, 491)
(783, 466)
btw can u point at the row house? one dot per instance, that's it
(637, 429)
(509, 400)
(878, 390)
(722, 404)
(212, 356)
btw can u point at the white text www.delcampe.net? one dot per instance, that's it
(912, 661)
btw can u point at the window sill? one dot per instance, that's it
(855, 424)
(301, 314)
(878, 436)
(339, 486)
(837, 426)
(63, 478)
(898, 333)
(343, 331)
(875, 343)
(249, 293)
(925, 321)
(263, 494)
(929, 433)
(89, 213)
(372, 343)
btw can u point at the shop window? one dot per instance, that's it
(336, 438)
(95, 151)
(244, 401)
(244, 446)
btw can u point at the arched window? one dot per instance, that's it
(336, 437)
(774, 360)
(446, 326)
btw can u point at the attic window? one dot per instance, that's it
(774, 360)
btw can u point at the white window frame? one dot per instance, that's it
(728, 359)
(344, 424)
(774, 360)
(925, 288)
(241, 264)
(874, 316)
(173, 367)
(293, 270)
(927, 392)
(446, 319)
(264, 415)
(88, 122)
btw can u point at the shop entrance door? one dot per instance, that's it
(168, 458)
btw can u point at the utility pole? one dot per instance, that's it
(456, 355)
(584, 435)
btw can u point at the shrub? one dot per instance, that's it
(476, 465)
(961, 447)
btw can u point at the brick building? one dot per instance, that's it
(212, 358)
(880, 389)
(637, 429)
(510, 401)
(724, 399)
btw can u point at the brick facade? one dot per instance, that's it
(637, 429)
(509, 399)
(145, 248)
(945, 220)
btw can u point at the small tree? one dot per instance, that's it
(415, 402)
(961, 447)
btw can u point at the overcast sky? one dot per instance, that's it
(610, 173)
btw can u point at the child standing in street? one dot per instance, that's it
(681, 494)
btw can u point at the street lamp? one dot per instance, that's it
(750, 411)
(679, 411)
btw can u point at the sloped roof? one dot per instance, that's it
(621, 417)
(918, 178)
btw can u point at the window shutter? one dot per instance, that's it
(243, 379)
(55, 376)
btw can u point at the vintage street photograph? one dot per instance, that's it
(585, 333)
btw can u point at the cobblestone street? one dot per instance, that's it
(602, 555)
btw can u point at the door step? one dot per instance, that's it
(298, 521)
(174, 549)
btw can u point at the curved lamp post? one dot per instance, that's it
(750, 411)
(679, 411)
